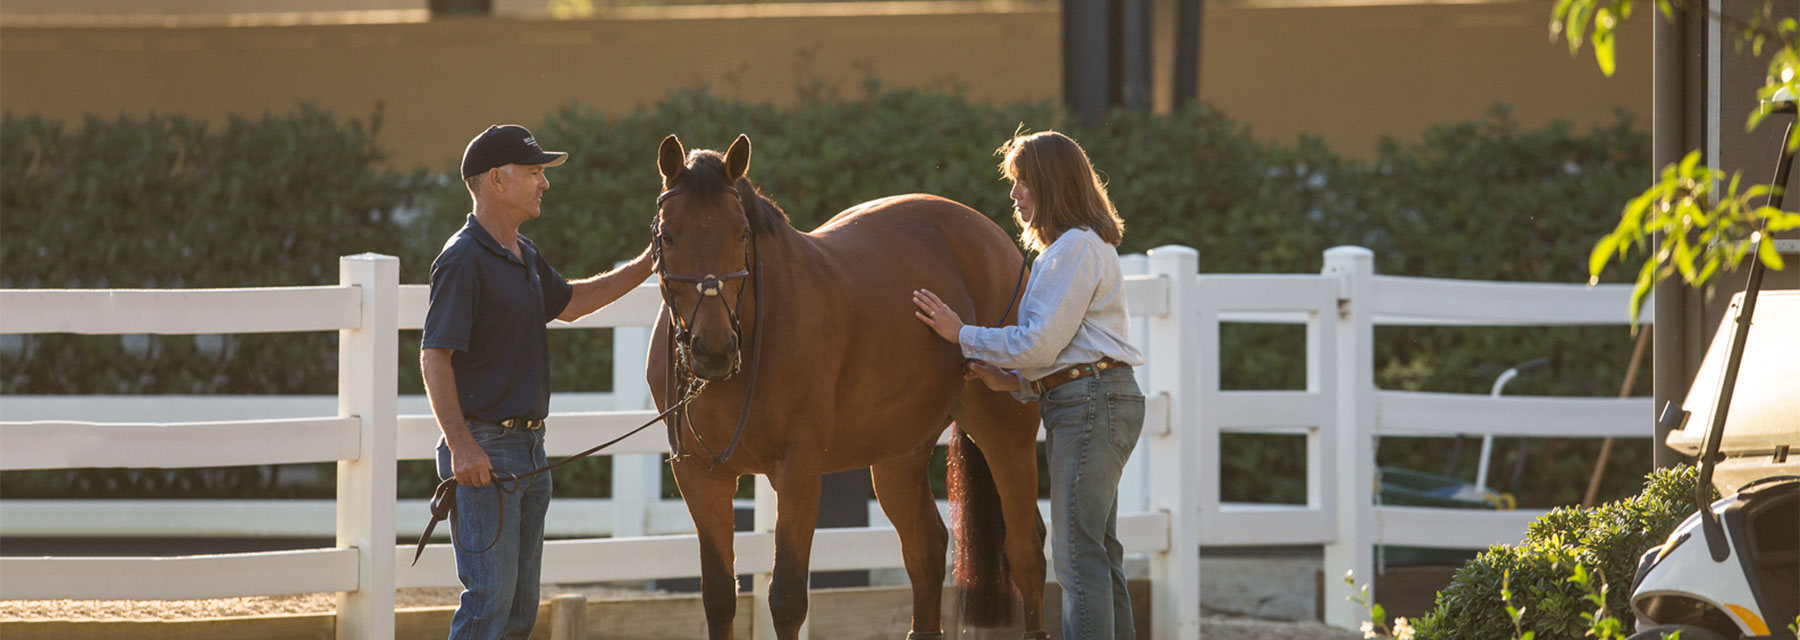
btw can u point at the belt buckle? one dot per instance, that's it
(522, 423)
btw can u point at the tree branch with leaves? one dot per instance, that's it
(1709, 221)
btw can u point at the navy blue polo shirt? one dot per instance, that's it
(491, 307)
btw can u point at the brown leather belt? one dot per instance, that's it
(522, 423)
(1072, 374)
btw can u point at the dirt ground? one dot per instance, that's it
(1212, 628)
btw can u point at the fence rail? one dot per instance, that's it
(1170, 493)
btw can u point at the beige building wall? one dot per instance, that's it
(1348, 74)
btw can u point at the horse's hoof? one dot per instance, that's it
(932, 635)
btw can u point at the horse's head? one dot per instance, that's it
(702, 240)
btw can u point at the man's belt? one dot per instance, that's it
(522, 423)
(1072, 374)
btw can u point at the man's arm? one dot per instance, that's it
(468, 462)
(589, 294)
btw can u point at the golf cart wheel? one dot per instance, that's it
(1688, 632)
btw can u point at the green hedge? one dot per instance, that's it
(169, 202)
(1609, 538)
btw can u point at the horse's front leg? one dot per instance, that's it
(797, 514)
(708, 497)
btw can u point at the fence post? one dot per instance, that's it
(1173, 454)
(368, 371)
(1134, 483)
(636, 478)
(1355, 441)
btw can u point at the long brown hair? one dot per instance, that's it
(1065, 190)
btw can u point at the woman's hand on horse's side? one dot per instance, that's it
(470, 466)
(994, 377)
(937, 315)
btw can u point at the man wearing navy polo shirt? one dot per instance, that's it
(485, 359)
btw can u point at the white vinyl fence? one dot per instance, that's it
(1170, 497)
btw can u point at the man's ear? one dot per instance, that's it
(497, 178)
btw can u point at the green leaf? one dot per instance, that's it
(1557, 15)
(1578, 22)
(1603, 41)
(1688, 162)
(1646, 278)
(1776, 220)
(1602, 254)
(1765, 249)
(1713, 261)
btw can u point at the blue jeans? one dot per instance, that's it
(1092, 425)
(500, 585)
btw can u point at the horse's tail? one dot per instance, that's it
(983, 578)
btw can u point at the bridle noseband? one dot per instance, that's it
(681, 329)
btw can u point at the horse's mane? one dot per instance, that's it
(705, 178)
(765, 216)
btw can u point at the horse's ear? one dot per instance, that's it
(737, 158)
(670, 159)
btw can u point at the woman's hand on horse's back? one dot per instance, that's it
(994, 377)
(937, 315)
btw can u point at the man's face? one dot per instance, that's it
(523, 188)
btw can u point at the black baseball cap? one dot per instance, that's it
(505, 144)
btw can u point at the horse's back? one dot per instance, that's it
(918, 232)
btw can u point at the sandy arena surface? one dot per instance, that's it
(1214, 628)
(257, 606)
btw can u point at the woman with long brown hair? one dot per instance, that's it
(1070, 354)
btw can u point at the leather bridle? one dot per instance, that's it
(680, 343)
(709, 286)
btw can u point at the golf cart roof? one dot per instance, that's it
(1765, 407)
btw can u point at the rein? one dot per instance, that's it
(443, 500)
(680, 333)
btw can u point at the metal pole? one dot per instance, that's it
(1188, 14)
(1669, 124)
(1135, 52)
(1086, 68)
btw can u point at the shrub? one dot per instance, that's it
(1608, 538)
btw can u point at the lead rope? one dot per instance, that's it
(1020, 282)
(443, 499)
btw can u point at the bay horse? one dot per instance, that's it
(848, 379)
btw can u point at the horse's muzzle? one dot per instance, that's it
(714, 365)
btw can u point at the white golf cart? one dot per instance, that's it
(1733, 568)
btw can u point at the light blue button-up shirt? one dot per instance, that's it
(1073, 313)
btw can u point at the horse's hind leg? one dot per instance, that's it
(708, 497)
(1006, 432)
(904, 491)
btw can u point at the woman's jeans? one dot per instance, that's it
(500, 585)
(1092, 425)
